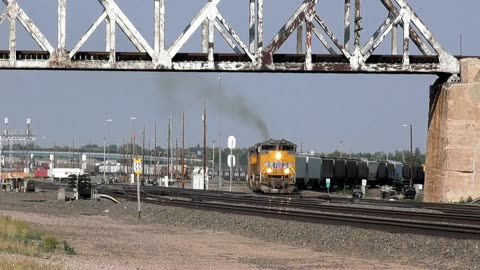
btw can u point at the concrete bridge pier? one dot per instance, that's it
(453, 141)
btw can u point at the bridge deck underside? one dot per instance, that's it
(224, 62)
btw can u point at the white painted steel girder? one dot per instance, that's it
(259, 57)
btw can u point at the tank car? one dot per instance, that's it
(271, 166)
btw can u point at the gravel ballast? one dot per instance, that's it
(358, 245)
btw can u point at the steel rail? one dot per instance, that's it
(443, 207)
(391, 225)
(315, 206)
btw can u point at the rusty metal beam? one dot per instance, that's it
(107, 33)
(300, 39)
(205, 36)
(111, 38)
(323, 40)
(394, 39)
(379, 36)
(247, 56)
(13, 40)
(89, 32)
(259, 26)
(414, 36)
(308, 45)
(346, 40)
(281, 67)
(251, 26)
(358, 24)
(28, 24)
(332, 37)
(3, 15)
(192, 27)
(227, 38)
(295, 20)
(62, 24)
(449, 61)
(211, 44)
(127, 27)
(234, 35)
(406, 40)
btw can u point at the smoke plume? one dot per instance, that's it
(177, 91)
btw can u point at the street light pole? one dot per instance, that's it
(220, 142)
(133, 118)
(108, 140)
(411, 155)
(411, 152)
(104, 164)
(213, 160)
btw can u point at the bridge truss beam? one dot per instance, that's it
(253, 56)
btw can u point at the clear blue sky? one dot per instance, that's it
(363, 111)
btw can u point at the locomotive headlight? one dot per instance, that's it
(269, 170)
(286, 171)
(278, 156)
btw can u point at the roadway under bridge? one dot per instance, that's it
(454, 120)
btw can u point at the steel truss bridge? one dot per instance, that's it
(252, 55)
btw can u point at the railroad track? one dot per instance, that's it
(50, 186)
(464, 227)
(311, 205)
(442, 207)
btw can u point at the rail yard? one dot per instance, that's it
(306, 230)
(322, 176)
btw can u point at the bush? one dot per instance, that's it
(468, 200)
(49, 242)
(68, 249)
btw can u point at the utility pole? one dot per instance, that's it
(171, 149)
(89, 154)
(134, 145)
(205, 185)
(175, 164)
(155, 153)
(104, 164)
(411, 152)
(143, 151)
(109, 121)
(168, 148)
(220, 142)
(213, 159)
(411, 155)
(183, 150)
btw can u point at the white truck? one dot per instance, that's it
(63, 173)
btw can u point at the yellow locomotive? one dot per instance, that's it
(271, 167)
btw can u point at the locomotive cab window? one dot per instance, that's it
(269, 147)
(289, 148)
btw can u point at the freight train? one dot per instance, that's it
(275, 167)
(271, 166)
(312, 171)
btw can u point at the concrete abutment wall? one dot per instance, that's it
(453, 141)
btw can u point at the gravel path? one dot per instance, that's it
(109, 236)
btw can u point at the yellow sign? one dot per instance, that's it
(137, 166)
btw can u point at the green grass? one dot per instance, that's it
(24, 264)
(18, 237)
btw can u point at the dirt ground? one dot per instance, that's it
(120, 242)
